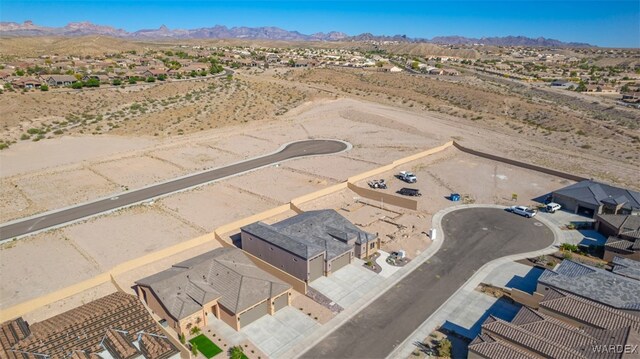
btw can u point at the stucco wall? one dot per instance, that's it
(528, 166)
(276, 256)
(229, 318)
(156, 307)
(386, 198)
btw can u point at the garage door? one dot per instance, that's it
(340, 262)
(316, 268)
(281, 302)
(586, 211)
(254, 313)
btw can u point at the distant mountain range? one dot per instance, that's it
(28, 28)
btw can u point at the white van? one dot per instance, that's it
(552, 207)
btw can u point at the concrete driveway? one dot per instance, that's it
(474, 236)
(278, 333)
(348, 284)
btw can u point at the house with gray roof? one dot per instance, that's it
(224, 283)
(626, 267)
(623, 233)
(596, 284)
(592, 198)
(309, 245)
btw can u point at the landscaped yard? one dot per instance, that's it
(205, 346)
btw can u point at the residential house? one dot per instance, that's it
(623, 232)
(26, 83)
(631, 97)
(626, 267)
(116, 326)
(223, 283)
(534, 335)
(61, 80)
(591, 198)
(309, 245)
(562, 84)
(154, 73)
(596, 284)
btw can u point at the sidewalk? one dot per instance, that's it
(459, 298)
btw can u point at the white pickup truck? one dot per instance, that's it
(523, 211)
(407, 177)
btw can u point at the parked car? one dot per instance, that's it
(409, 192)
(523, 211)
(407, 177)
(552, 207)
(377, 184)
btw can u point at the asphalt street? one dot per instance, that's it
(293, 150)
(474, 237)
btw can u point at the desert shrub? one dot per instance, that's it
(444, 348)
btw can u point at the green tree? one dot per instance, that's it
(291, 63)
(625, 88)
(236, 352)
(92, 82)
(573, 74)
(76, 85)
(116, 82)
(194, 349)
(19, 72)
(44, 88)
(162, 77)
(444, 348)
(182, 338)
(151, 79)
(133, 80)
(581, 87)
(415, 65)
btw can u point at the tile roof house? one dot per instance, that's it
(624, 235)
(223, 282)
(60, 80)
(115, 326)
(626, 267)
(592, 198)
(581, 312)
(533, 334)
(596, 284)
(309, 245)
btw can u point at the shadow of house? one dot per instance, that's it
(528, 283)
(503, 308)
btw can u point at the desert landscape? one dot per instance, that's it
(66, 146)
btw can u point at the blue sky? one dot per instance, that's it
(602, 23)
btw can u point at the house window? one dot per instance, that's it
(373, 245)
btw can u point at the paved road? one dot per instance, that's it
(293, 150)
(390, 319)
